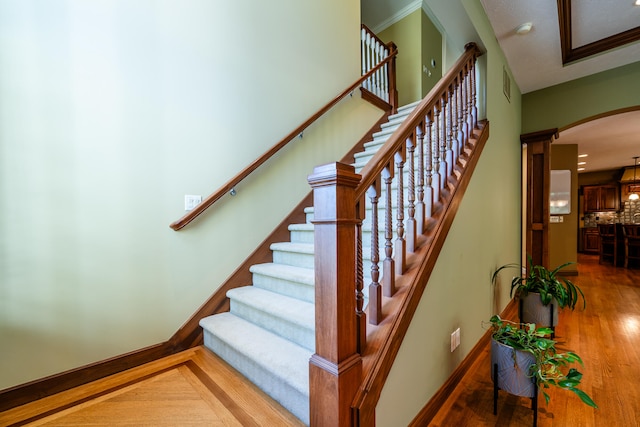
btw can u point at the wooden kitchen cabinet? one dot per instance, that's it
(590, 240)
(600, 198)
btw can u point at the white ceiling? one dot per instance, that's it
(535, 59)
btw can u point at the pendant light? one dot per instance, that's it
(634, 195)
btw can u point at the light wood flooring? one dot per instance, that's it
(195, 388)
(192, 388)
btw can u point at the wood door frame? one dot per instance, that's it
(537, 193)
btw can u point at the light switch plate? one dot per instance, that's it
(191, 201)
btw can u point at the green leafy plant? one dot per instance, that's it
(545, 282)
(551, 368)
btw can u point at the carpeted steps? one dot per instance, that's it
(269, 333)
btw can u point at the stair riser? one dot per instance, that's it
(301, 236)
(298, 334)
(294, 258)
(293, 289)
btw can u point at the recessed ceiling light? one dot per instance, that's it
(637, 3)
(582, 163)
(585, 155)
(580, 169)
(524, 28)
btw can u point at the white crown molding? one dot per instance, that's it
(409, 9)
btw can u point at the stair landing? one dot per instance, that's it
(191, 388)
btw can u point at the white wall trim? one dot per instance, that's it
(409, 9)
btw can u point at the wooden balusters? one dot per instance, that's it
(443, 143)
(418, 158)
(462, 136)
(388, 266)
(361, 316)
(465, 104)
(435, 151)
(468, 113)
(471, 98)
(474, 106)
(400, 244)
(420, 205)
(449, 157)
(375, 291)
(428, 155)
(454, 123)
(411, 235)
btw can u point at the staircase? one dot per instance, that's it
(269, 333)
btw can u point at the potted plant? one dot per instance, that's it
(524, 361)
(541, 292)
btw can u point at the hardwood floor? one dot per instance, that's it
(192, 388)
(195, 388)
(607, 337)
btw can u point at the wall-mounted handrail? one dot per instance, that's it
(233, 182)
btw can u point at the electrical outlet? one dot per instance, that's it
(191, 201)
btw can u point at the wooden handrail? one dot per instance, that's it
(441, 131)
(233, 182)
(380, 160)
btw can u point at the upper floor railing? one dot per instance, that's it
(374, 51)
(378, 79)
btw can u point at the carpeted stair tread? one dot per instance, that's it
(303, 248)
(288, 317)
(274, 364)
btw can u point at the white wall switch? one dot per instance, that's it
(455, 339)
(191, 201)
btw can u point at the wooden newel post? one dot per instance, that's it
(392, 78)
(335, 370)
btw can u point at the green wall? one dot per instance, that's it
(418, 42)
(431, 50)
(563, 236)
(101, 140)
(110, 113)
(564, 104)
(484, 235)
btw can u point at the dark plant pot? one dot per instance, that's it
(513, 370)
(532, 311)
